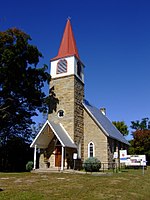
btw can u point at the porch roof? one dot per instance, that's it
(48, 131)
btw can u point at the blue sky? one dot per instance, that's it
(113, 40)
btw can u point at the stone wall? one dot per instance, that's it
(70, 92)
(92, 133)
(111, 149)
(78, 115)
(47, 155)
(64, 90)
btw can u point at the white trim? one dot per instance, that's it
(47, 122)
(33, 143)
(62, 158)
(56, 134)
(34, 167)
(89, 149)
(71, 68)
(59, 113)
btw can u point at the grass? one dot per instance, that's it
(130, 185)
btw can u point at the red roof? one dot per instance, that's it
(68, 44)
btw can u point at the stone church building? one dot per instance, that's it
(74, 126)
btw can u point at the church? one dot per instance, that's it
(75, 129)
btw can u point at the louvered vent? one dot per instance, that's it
(62, 66)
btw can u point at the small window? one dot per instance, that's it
(60, 113)
(91, 149)
(62, 66)
(79, 69)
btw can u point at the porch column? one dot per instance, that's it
(62, 159)
(34, 166)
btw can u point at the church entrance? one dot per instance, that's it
(58, 153)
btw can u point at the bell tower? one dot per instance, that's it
(67, 80)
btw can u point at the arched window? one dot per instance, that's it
(62, 66)
(91, 151)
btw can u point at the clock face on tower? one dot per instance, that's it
(61, 66)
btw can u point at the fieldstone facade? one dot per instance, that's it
(79, 117)
(93, 133)
(69, 91)
(64, 91)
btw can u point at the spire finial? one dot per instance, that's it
(68, 18)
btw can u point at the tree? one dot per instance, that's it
(21, 83)
(15, 154)
(143, 125)
(122, 127)
(141, 138)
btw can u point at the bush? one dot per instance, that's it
(92, 165)
(29, 166)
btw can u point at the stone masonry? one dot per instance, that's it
(70, 92)
(94, 134)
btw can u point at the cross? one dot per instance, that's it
(68, 18)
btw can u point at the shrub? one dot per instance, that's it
(29, 166)
(92, 165)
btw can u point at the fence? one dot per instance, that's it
(105, 166)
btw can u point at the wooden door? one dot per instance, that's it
(58, 156)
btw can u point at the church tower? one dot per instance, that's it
(67, 81)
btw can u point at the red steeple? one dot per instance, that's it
(68, 44)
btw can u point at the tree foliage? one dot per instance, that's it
(21, 83)
(15, 154)
(141, 138)
(122, 127)
(143, 125)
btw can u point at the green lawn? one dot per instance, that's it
(130, 185)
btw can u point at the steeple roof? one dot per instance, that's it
(68, 44)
